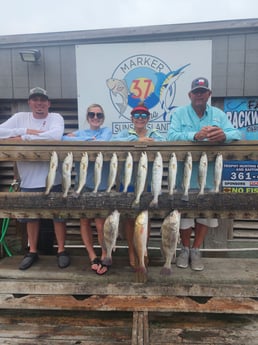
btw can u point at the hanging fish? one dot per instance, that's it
(169, 239)
(128, 171)
(156, 182)
(202, 172)
(67, 173)
(83, 172)
(98, 171)
(140, 239)
(112, 172)
(141, 178)
(172, 172)
(52, 172)
(187, 176)
(218, 167)
(111, 229)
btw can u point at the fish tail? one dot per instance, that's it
(165, 271)
(136, 203)
(185, 197)
(154, 204)
(171, 196)
(107, 261)
(76, 194)
(141, 275)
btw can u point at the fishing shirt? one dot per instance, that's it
(185, 123)
(34, 174)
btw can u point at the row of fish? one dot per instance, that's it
(142, 170)
(169, 240)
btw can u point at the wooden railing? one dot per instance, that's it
(221, 205)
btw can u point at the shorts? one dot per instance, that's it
(187, 223)
(56, 188)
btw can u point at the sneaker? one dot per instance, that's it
(183, 259)
(195, 260)
(63, 259)
(28, 260)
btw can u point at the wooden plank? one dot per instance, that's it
(230, 305)
(44, 278)
(242, 150)
(219, 205)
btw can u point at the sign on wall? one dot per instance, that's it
(243, 113)
(119, 76)
(240, 177)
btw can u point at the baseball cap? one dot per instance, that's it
(140, 107)
(38, 91)
(200, 83)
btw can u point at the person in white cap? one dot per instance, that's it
(198, 121)
(38, 124)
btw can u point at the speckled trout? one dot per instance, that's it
(67, 173)
(98, 171)
(141, 178)
(112, 172)
(218, 167)
(83, 172)
(202, 172)
(52, 172)
(172, 172)
(187, 176)
(128, 170)
(156, 182)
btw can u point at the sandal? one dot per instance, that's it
(95, 262)
(102, 266)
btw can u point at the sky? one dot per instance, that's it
(30, 16)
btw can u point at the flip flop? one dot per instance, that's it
(102, 266)
(94, 262)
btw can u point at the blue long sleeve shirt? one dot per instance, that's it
(101, 134)
(185, 123)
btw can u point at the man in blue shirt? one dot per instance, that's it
(198, 121)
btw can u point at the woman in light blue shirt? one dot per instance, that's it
(95, 117)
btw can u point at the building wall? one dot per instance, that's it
(234, 56)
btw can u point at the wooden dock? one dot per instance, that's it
(47, 305)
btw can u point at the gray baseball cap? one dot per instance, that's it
(200, 83)
(38, 91)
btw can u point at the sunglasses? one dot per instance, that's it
(137, 116)
(99, 116)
